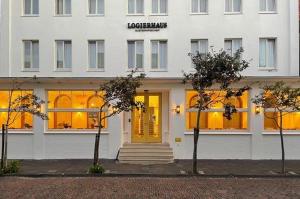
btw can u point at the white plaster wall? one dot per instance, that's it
(182, 27)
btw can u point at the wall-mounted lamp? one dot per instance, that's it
(257, 109)
(177, 109)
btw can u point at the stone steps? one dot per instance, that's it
(146, 154)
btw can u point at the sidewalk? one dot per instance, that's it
(180, 167)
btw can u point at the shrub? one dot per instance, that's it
(98, 168)
(12, 167)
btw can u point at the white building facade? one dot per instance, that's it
(73, 45)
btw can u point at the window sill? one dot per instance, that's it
(199, 13)
(29, 15)
(95, 15)
(141, 14)
(30, 70)
(267, 69)
(135, 69)
(74, 131)
(233, 13)
(158, 70)
(219, 133)
(20, 131)
(286, 132)
(63, 15)
(159, 14)
(63, 70)
(268, 12)
(95, 70)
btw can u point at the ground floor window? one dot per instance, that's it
(74, 109)
(17, 120)
(291, 121)
(213, 119)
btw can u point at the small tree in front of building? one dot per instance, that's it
(117, 96)
(212, 78)
(281, 100)
(18, 105)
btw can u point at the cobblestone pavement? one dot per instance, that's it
(131, 188)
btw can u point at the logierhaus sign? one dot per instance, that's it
(142, 27)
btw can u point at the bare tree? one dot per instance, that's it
(281, 100)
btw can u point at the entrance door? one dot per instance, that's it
(146, 125)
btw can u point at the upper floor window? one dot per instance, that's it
(135, 54)
(233, 6)
(232, 45)
(63, 7)
(31, 54)
(267, 52)
(267, 5)
(96, 54)
(135, 6)
(63, 54)
(159, 6)
(159, 55)
(199, 46)
(199, 6)
(96, 7)
(31, 7)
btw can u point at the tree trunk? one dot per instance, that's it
(282, 146)
(196, 137)
(97, 143)
(3, 147)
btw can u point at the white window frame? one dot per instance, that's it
(135, 10)
(31, 9)
(199, 41)
(72, 110)
(159, 67)
(64, 10)
(220, 110)
(232, 40)
(96, 14)
(97, 68)
(64, 68)
(267, 11)
(135, 55)
(159, 10)
(232, 8)
(31, 69)
(199, 10)
(267, 67)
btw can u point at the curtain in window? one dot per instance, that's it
(271, 5)
(236, 45)
(163, 54)
(68, 54)
(100, 46)
(228, 47)
(59, 54)
(100, 8)
(154, 55)
(139, 6)
(194, 47)
(262, 5)
(27, 54)
(92, 54)
(203, 46)
(203, 6)
(139, 54)
(35, 7)
(59, 7)
(271, 53)
(262, 52)
(195, 6)
(237, 4)
(228, 5)
(35, 54)
(92, 7)
(154, 6)
(131, 6)
(163, 6)
(68, 6)
(27, 7)
(131, 54)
